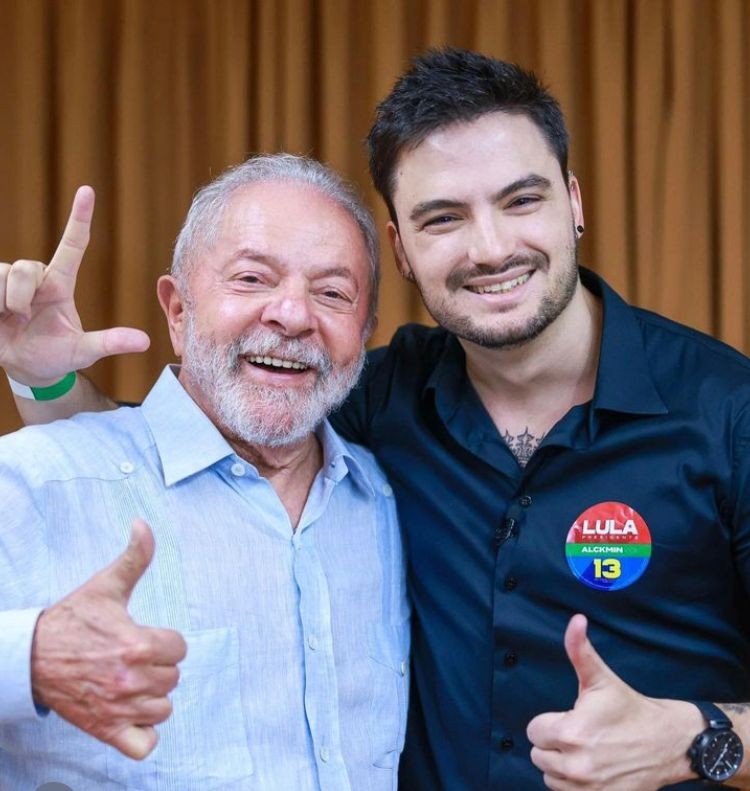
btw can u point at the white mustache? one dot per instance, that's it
(266, 343)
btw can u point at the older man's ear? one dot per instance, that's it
(173, 304)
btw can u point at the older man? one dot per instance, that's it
(277, 557)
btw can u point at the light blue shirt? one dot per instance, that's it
(296, 676)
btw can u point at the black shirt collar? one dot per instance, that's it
(623, 382)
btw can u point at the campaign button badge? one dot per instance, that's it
(609, 546)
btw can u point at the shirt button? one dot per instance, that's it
(506, 743)
(525, 501)
(511, 583)
(387, 490)
(126, 467)
(404, 667)
(312, 642)
(238, 469)
(510, 659)
(324, 754)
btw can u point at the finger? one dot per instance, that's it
(4, 269)
(555, 783)
(161, 680)
(543, 729)
(22, 281)
(547, 761)
(120, 577)
(74, 241)
(152, 711)
(148, 681)
(168, 647)
(135, 741)
(92, 346)
(590, 668)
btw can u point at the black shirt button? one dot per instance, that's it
(511, 583)
(506, 743)
(511, 658)
(525, 501)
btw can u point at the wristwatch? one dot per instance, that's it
(716, 753)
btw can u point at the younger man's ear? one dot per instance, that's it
(398, 252)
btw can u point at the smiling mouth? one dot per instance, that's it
(501, 288)
(276, 363)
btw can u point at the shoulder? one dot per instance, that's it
(410, 357)
(412, 342)
(689, 353)
(95, 443)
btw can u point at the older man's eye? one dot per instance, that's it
(333, 294)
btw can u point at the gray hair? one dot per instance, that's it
(201, 226)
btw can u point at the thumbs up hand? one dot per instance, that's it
(98, 669)
(613, 738)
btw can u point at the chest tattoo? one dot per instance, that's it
(523, 445)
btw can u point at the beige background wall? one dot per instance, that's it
(147, 99)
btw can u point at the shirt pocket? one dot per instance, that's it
(389, 658)
(203, 745)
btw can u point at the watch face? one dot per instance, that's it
(721, 755)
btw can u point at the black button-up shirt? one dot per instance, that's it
(658, 463)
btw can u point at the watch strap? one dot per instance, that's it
(712, 714)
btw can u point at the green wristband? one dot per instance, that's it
(57, 390)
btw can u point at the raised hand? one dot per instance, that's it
(613, 738)
(41, 338)
(98, 669)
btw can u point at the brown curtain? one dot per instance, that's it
(147, 99)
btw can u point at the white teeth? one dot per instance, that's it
(502, 288)
(277, 362)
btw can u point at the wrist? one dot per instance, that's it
(50, 391)
(680, 722)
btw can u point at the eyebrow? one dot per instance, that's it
(254, 255)
(532, 180)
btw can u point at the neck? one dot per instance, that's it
(290, 469)
(535, 384)
(273, 463)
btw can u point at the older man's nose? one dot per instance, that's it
(290, 313)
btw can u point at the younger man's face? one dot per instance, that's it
(487, 229)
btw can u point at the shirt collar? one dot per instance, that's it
(338, 459)
(623, 381)
(188, 442)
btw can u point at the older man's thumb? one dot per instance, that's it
(591, 669)
(93, 346)
(120, 578)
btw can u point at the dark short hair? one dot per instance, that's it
(449, 85)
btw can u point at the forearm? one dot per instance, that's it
(739, 713)
(682, 722)
(84, 397)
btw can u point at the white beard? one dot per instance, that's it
(263, 415)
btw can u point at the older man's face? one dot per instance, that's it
(272, 337)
